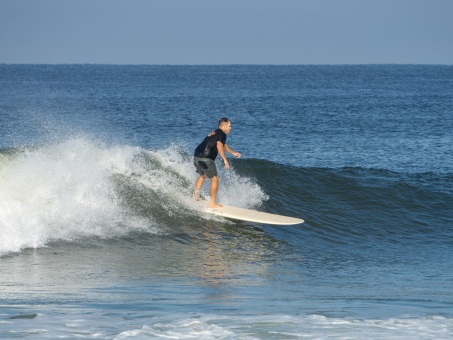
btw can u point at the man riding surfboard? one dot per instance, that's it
(204, 159)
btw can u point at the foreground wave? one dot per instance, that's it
(80, 188)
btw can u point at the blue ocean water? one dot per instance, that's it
(100, 237)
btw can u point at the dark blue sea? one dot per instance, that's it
(100, 237)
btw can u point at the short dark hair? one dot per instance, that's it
(223, 121)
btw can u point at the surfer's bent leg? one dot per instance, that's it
(198, 185)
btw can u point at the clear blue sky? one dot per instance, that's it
(226, 31)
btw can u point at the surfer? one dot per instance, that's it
(204, 159)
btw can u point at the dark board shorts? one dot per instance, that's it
(205, 166)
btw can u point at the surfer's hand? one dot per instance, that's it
(227, 165)
(236, 154)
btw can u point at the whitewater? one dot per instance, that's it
(80, 188)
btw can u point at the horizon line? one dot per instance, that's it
(232, 64)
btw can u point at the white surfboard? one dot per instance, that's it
(252, 215)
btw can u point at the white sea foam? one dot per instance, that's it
(67, 190)
(60, 192)
(210, 326)
(293, 327)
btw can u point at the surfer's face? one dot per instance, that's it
(226, 127)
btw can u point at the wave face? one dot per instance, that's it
(80, 188)
(352, 203)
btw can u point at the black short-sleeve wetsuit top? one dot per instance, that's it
(208, 147)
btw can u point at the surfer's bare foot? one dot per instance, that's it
(215, 205)
(196, 195)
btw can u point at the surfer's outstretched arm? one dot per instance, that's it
(235, 154)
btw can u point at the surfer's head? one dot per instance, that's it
(225, 125)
